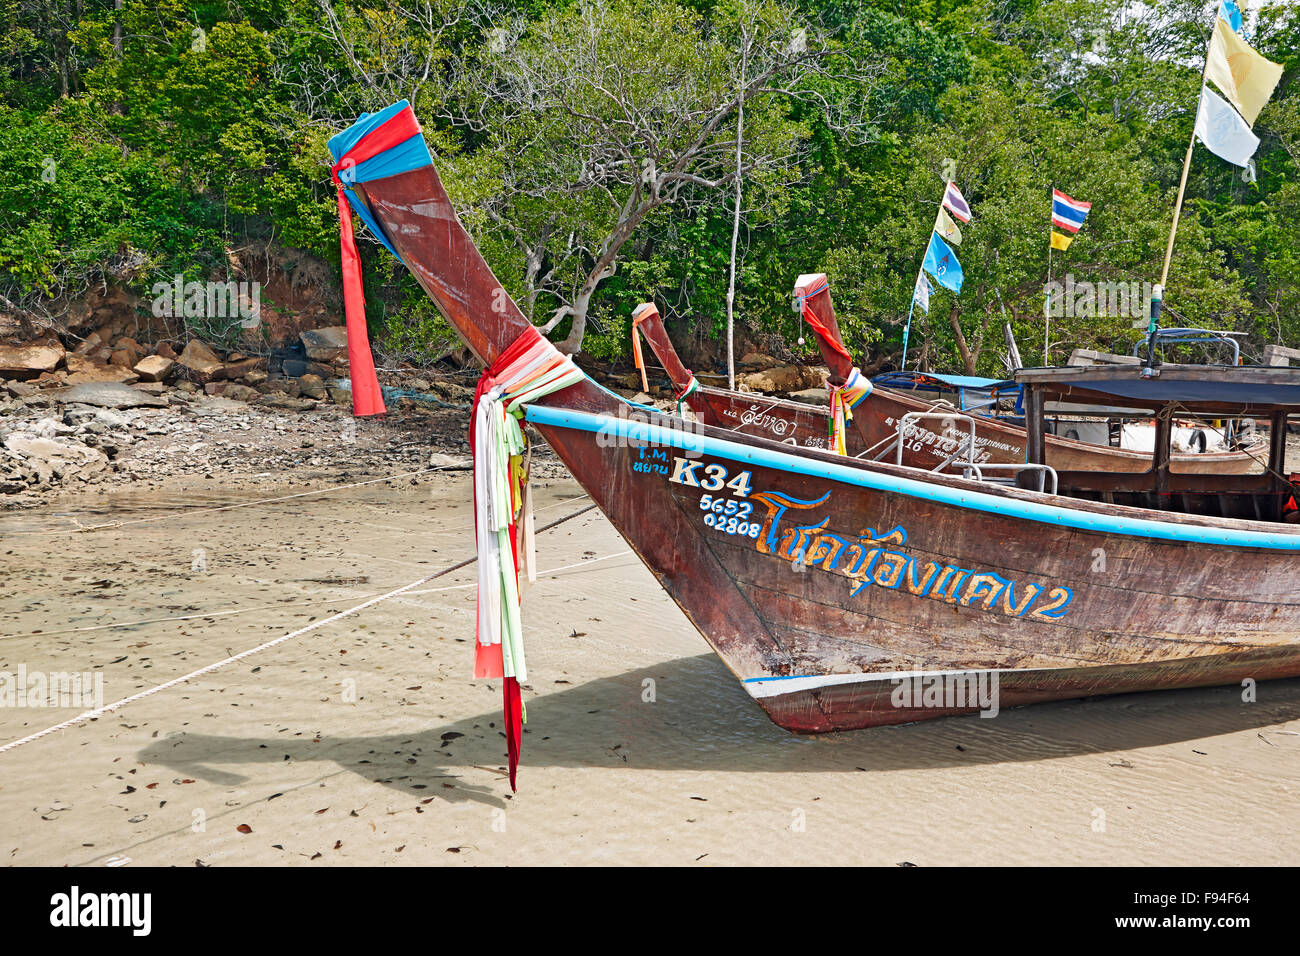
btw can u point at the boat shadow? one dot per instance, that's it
(690, 714)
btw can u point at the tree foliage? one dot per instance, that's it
(591, 146)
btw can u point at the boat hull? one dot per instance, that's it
(837, 583)
(878, 703)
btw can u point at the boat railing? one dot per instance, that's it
(968, 466)
(1189, 335)
(1045, 472)
(911, 417)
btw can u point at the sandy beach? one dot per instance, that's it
(366, 741)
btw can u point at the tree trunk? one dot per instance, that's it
(581, 302)
(967, 359)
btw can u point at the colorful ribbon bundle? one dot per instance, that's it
(843, 400)
(376, 145)
(691, 388)
(529, 369)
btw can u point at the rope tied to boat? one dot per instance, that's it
(844, 398)
(528, 370)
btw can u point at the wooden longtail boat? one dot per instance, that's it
(875, 424)
(846, 593)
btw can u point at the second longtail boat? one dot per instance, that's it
(876, 428)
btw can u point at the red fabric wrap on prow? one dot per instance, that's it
(817, 325)
(367, 397)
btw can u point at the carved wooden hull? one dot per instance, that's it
(848, 577)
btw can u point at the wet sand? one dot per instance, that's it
(366, 741)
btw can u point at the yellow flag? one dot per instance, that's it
(1061, 241)
(947, 228)
(1245, 78)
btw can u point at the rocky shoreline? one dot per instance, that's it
(111, 410)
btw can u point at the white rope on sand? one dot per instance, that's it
(109, 708)
(175, 681)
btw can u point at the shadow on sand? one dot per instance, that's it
(701, 719)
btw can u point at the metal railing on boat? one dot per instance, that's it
(1189, 336)
(911, 417)
(1044, 472)
(968, 465)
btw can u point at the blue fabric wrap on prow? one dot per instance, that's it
(406, 156)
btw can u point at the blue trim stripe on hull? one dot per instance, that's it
(681, 438)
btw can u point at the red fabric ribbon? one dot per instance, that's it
(821, 330)
(367, 397)
(513, 710)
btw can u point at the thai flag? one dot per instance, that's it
(1067, 213)
(955, 203)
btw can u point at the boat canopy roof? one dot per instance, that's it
(1212, 389)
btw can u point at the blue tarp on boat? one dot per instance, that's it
(973, 391)
(933, 381)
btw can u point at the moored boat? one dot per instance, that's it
(847, 593)
(875, 428)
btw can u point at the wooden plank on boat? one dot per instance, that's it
(1093, 357)
(1279, 355)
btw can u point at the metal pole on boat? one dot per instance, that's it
(907, 329)
(735, 222)
(1153, 324)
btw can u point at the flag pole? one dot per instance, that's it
(907, 330)
(1187, 160)
(1047, 298)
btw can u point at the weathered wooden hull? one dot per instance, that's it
(929, 441)
(870, 704)
(867, 575)
(830, 607)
